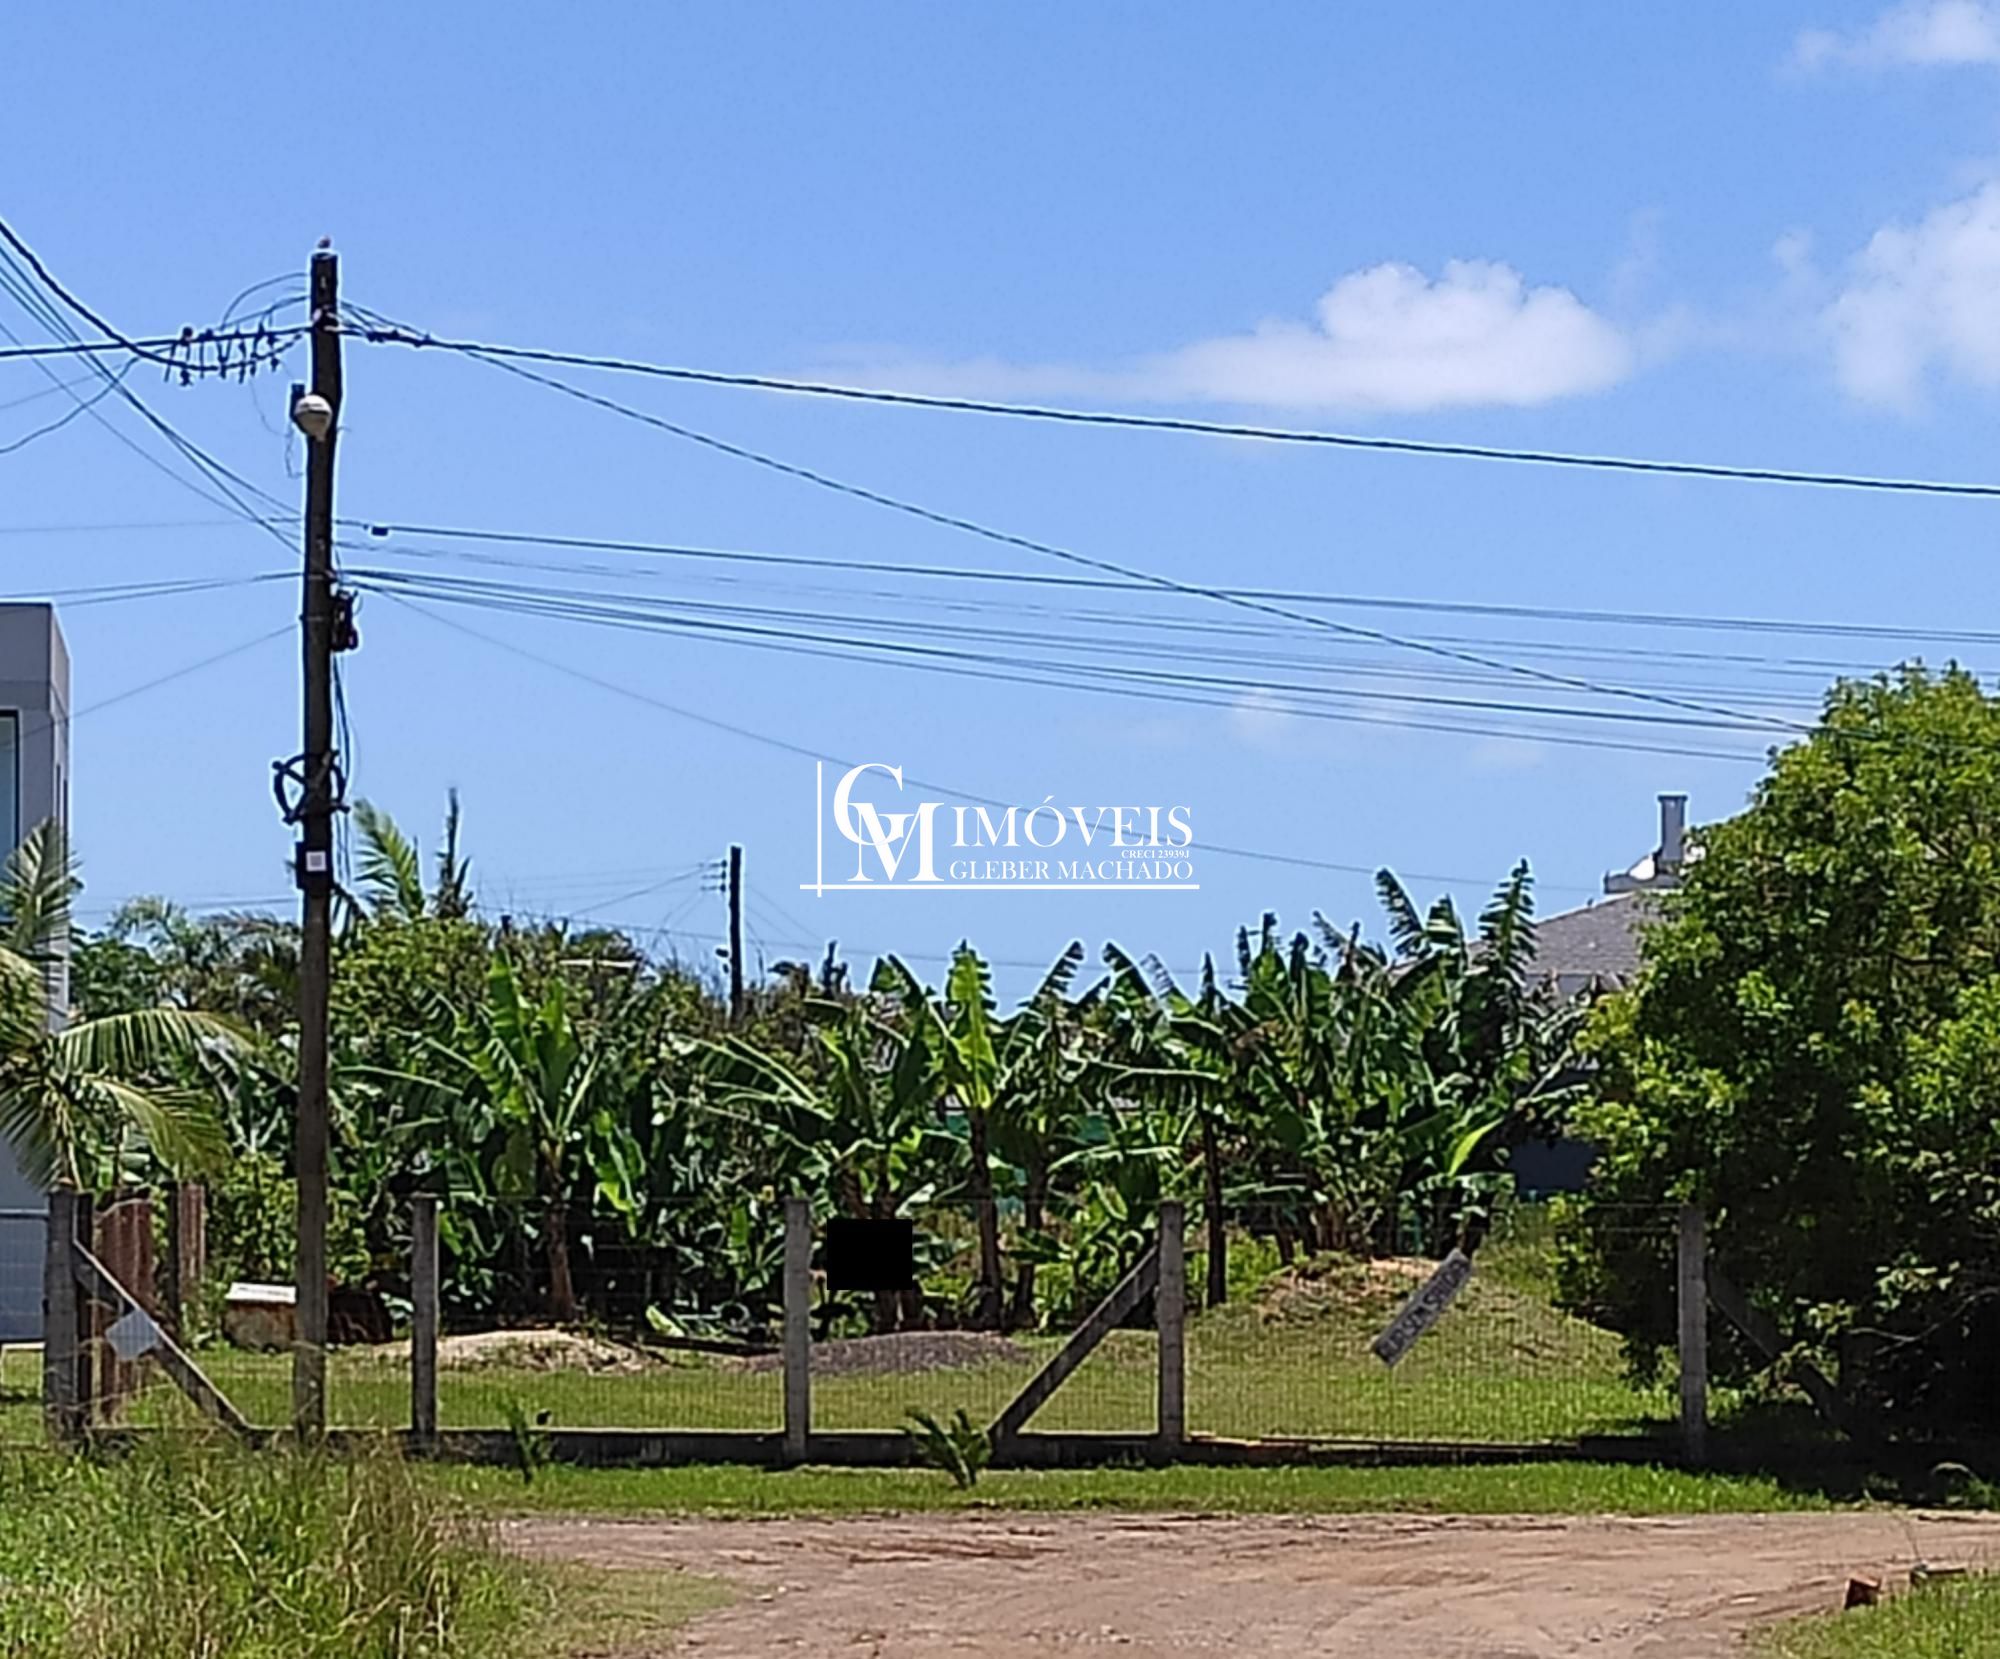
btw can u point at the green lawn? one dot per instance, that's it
(1290, 1359)
(1526, 1489)
(1956, 1619)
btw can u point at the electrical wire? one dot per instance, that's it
(22, 352)
(379, 331)
(585, 606)
(220, 477)
(83, 406)
(1129, 620)
(1180, 647)
(112, 593)
(181, 672)
(768, 740)
(1539, 613)
(42, 274)
(1030, 544)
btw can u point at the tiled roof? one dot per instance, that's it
(1597, 943)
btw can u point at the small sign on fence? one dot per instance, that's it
(1424, 1309)
(133, 1334)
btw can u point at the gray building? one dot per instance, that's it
(1596, 948)
(34, 787)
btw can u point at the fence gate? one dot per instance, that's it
(102, 1326)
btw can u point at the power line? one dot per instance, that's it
(1182, 646)
(1008, 538)
(137, 348)
(180, 673)
(20, 351)
(586, 606)
(129, 526)
(968, 665)
(767, 740)
(47, 391)
(215, 474)
(115, 592)
(1539, 613)
(378, 331)
(83, 406)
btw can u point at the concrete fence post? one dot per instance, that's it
(1692, 1295)
(1170, 1318)
(798, 1328)
(63, 1387)
(425, 1301)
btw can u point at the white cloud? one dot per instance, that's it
(1388, 338)
(1391, 338)
(1922, 297)
(1925, 33)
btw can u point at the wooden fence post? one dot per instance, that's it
(425, 1299)
(798, 1328)
(1692, 1286)
(187, 1254)
(84, 1209)
(62, 1385)
(1170, 1318)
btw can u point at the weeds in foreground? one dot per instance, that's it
(1953, 1619)
(206, 1548)
(530, 1433)
(961, 1449)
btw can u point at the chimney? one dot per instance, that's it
(1673, 835)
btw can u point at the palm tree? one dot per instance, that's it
(81, 1103)
(392, 877)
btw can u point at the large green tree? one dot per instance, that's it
(1813, 1053)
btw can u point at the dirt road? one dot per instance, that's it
(1378, 1587)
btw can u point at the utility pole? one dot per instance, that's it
(317, 414)
(735, 935)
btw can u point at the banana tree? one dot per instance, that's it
(539, 1076)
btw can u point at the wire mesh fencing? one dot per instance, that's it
(1291, 1351)
(996, 1292)
(575, 1319)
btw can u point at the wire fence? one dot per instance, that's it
(966, 1336)
(1291, 1353)
(578, 1320)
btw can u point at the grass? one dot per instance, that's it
(606, 1610)
(1526, 1489)
(1956, 1619)
(199, 1547)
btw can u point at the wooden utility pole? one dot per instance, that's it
(317, 414)
(735, 935)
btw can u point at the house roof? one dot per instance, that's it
(1597, 943)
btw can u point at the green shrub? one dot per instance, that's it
(961, 1448)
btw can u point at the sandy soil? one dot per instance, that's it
(1264, 1587)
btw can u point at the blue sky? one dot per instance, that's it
(1763, 235)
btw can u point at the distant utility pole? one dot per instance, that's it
(735, 935)
(319, 787)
